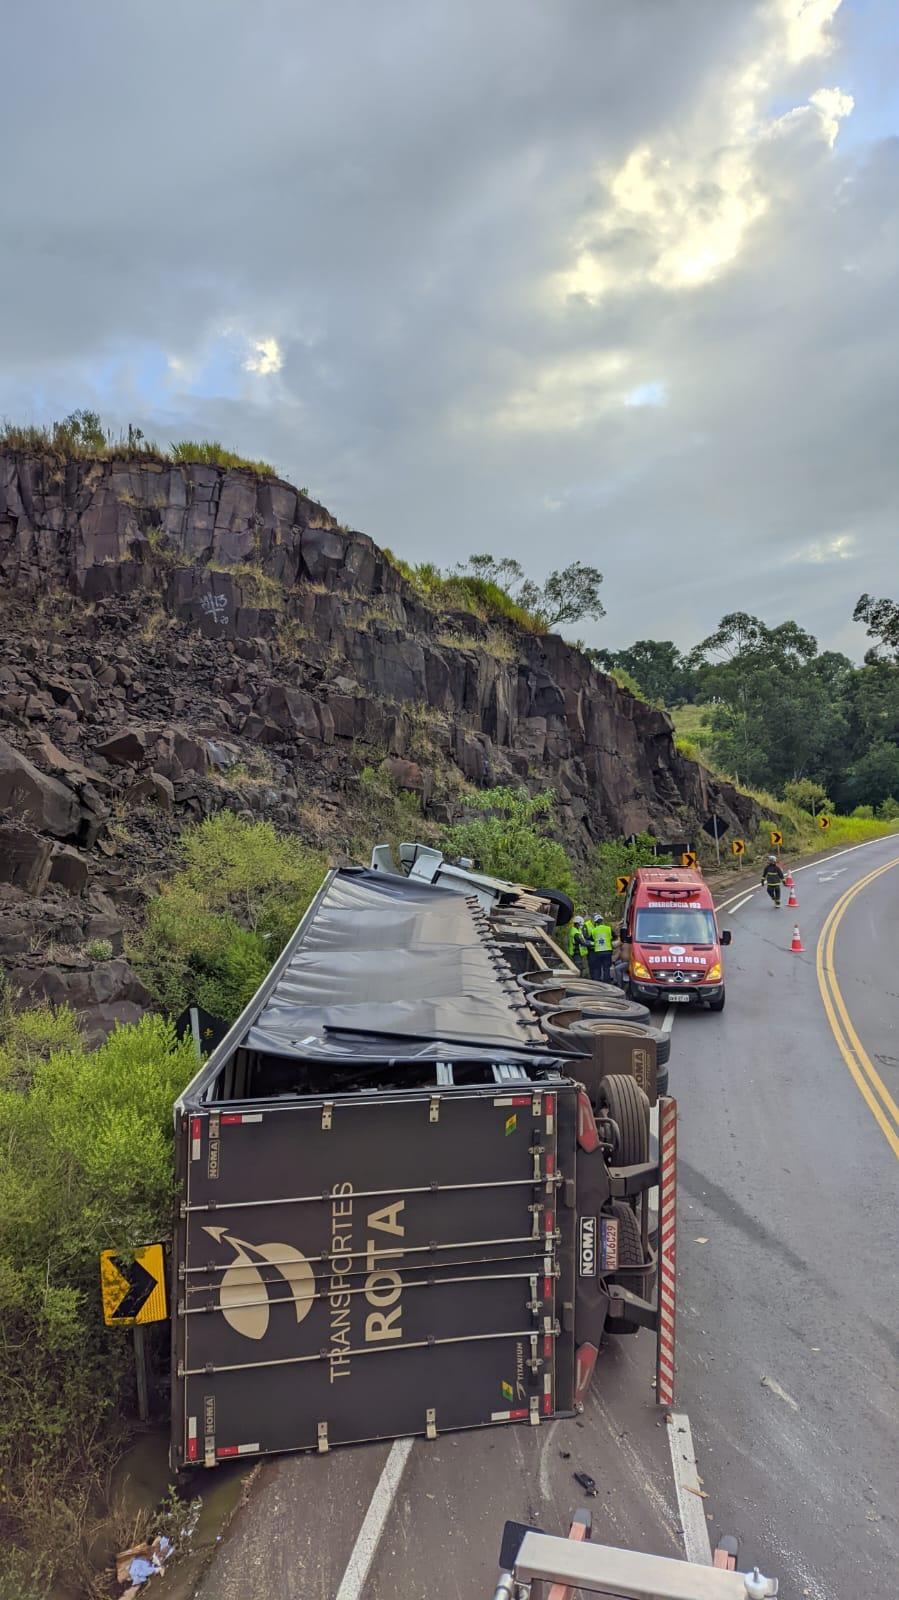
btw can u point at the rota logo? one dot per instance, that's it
(244, 1293)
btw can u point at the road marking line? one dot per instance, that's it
(352, 1584)
(690, 1496)
(668, 1020)
(744, 901)
(864, 1074)
(774, 1386)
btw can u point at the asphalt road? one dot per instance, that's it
(788, 1241)
(787, 1333)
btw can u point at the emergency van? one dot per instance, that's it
(671, 940)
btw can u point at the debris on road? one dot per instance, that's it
(774, 1386)
(587, 1483)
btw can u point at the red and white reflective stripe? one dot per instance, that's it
(550, 1109)
(195, 1137)
(547, 1394)
(667, 1293)
(509, 1416)
(241, 1116)
(192, 1445)
(238, 1449)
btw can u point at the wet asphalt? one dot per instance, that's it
(789, 1246)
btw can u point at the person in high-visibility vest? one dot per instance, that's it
(599, 960)
(580, 944)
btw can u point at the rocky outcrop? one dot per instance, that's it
(180, 637)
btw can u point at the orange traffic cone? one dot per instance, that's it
(792, 900)
(788, 880)
(797, 943)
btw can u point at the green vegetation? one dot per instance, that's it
(266, 592)
(496, 590)
(208, 452)
(611, 859)
(504, 835)
(215, 928)
(496, 643)
(85, 1164)
(82, 436)
(764, 707)
(99, 949)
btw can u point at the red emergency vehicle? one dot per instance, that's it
(671, 939)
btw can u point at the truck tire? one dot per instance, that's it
(630, 1254)
(613, 1005)
(662, 1082)
(717, 1005)
(590, 1024)
(622, 1100)
(564, 906)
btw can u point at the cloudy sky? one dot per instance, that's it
(608, 280)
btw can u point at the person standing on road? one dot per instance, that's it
(772, 878)
(599, 960)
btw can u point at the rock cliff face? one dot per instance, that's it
(180, 637)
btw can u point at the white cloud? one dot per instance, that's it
(677, 211)
(265, 359)
(833, 105)
(824, 551)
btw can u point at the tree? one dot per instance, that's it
(774, 717)
(807, 795)
(657, 665)
(873, 778)
(504, 836)
(566, 596)
(85, 428)
(882, 618)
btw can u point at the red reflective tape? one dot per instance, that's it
(667, 1281)
(547, 1404)
(227, 1450)
(547, 1288)
(550, 1165)
(192, 1449)
(515, 1416)
(547, 1344)
(550, 1216)
(520, 1100)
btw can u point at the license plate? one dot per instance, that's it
(679, 999)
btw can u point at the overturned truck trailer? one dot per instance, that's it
(397, 1210)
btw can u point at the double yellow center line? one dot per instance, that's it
(867, 1079)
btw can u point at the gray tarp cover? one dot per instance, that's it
(390, 967)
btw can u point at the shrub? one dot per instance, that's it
(99, 950)
(611, 859)
(85, 1165)
(504, 836)
(888, 810)
(863, 812)
(807, 795)
(214, 930)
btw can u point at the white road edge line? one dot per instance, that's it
(690, 1500)
(352, 1584)
(668, 1020)
(820, 861)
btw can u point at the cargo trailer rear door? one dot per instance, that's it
(373, 1266)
